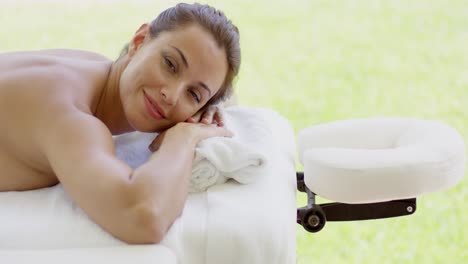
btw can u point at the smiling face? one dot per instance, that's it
(171, 77)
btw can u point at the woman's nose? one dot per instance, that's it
(171, 95)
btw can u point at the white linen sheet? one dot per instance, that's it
(228, 223)
(150, 254)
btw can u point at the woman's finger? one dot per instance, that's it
(195, 118)
(219, 117)
(207, 117)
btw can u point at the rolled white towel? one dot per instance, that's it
(219, 159)
(204, 175)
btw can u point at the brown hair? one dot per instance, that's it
(225, 33)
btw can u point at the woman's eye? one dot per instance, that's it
(195, 96)
(170, 65)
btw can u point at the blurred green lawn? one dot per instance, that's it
(316, 61)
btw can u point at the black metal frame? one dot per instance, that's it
(314, 216)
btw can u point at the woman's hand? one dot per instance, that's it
(192, 133)
(212, 114)
(208, 122)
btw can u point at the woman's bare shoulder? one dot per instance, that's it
(62, 53)
(53, 74)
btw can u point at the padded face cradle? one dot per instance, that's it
(380, 159)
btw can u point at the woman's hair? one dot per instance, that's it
(215, 22)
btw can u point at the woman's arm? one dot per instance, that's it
(135, 206)
(169, 169)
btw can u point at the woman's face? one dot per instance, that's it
(171, 77)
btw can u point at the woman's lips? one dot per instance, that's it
(153, 108)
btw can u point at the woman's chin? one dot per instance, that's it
(145, 128)
(148, 127)
(146, 124)
(140, 124)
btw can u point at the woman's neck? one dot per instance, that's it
(109, 107)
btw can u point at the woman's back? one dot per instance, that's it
(31, 84)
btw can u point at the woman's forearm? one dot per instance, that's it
(160, 186)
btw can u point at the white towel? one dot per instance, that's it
(216, 159)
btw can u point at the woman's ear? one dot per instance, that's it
(138, 39)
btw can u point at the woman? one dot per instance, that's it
(60, 108)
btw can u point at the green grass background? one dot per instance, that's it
(315, 61)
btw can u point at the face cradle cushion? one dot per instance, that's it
(380, 159)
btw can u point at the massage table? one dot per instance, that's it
(359, 164)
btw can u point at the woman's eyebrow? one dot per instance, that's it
(202, 84)
(184, 60)
(181, 54)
